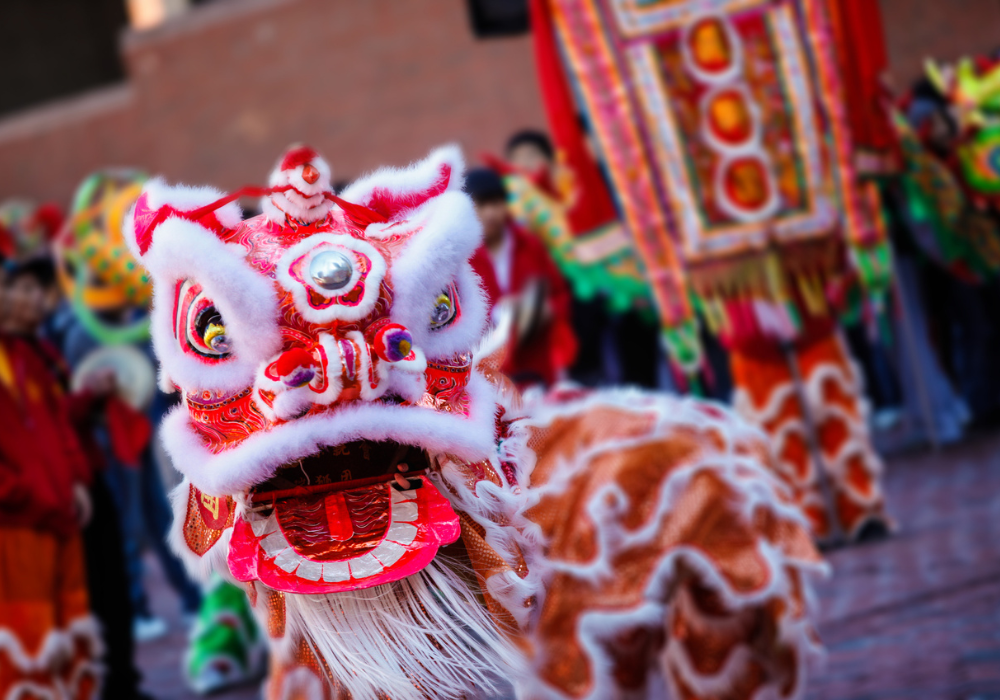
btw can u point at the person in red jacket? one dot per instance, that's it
(51, 642)
(518, 272)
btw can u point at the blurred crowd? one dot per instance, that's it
(81, 491)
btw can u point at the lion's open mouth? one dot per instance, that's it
(341, 520)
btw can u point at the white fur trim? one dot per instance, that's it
(306, 202)
(292, 401)
(306, 210)
(405, 384)
(333, 370)
(272, 211)
(55, 648)
(417, 177)
(257, 458)
(436, 255)
(320, 243)
(246, 299)
(293, 177)
(378, 232)
(418, 365)
(364, 352)
(182, 198)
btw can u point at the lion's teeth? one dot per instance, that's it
(288, 560)
(364, 566)
(402, 533)
(404, 512)
(334, 571)
(388, 552)
(309, 570)
(263, 526)
(274, 543)
(400, 496)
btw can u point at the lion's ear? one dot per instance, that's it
(159, 202)
(394, 193)
(436, 294)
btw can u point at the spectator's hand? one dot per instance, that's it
(102, 382)
(82, 504)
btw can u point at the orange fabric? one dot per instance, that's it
(43, 592)
(850, 464)
(704, 518)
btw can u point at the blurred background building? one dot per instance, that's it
(213, 91)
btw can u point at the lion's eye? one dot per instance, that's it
(202, 328)
(212, 331)
(446, 308)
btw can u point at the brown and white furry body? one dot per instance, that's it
(573, 545)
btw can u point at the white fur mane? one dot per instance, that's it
(423, 636)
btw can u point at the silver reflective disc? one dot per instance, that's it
(330, 270)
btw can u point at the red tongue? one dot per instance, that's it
(335, 525)
(338, 517)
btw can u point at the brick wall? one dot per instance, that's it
(215, 95)
(942, 29)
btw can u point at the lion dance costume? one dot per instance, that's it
(724, 135)
(403, 525)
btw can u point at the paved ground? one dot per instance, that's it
(914, 617)
(918, 616)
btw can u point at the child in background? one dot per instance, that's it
(53, 641)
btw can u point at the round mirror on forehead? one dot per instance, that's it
(332, 277)
(330, 270)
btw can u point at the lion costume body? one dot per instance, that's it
(404, 524)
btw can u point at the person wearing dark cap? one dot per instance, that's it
(516, 269)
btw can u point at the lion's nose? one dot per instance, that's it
(393, 343)
(296, 367)
(310, 174)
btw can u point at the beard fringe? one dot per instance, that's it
(423, 636)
